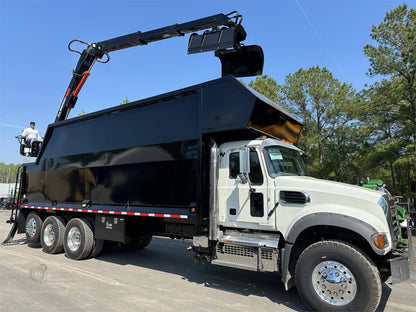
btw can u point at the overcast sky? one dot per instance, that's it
(35, 64)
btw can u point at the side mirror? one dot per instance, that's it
(244, 154)
(242, 178)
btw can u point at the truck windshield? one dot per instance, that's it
(284, 162)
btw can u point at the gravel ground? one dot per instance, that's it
(159, 278)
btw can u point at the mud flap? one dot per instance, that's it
(18, 226)
(12, 232)
(21, 223)
(400, 271)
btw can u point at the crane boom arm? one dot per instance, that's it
(142, 38)
(217, 40)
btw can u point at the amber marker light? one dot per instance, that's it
(85, 203)
(380, 241)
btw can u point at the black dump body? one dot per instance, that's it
(150, 156)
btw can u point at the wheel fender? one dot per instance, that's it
(322, 218)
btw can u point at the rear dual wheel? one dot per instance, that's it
(79, 240)
(139, 242)
(52, 234)
(76, 238)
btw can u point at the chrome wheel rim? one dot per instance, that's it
(49, 235)
(31, 227)
(74, 239)
(334, 283)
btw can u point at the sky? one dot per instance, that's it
(36, 65)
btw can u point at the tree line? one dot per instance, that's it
(8, 173)
(350, 134)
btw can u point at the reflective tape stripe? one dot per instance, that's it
(127, 213)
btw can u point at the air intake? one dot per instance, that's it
(290, 197)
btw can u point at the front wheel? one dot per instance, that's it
(336, 276)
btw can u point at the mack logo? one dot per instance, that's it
(108, 226)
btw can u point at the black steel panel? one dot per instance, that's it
(226, 106)
(162, 175)
(167, 121)
(147, 153)
(152, 183)
(112, 228)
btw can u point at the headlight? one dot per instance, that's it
(384, 204)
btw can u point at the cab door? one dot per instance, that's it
(244, 204)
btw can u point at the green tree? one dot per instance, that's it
(125, 101)
(392, 101)
(268, 87)
(326, 108)
(8, 173)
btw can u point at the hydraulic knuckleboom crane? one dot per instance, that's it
(239, 61)
(224, 38)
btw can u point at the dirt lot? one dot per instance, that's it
(160, 278)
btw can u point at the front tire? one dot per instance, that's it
(336, 276)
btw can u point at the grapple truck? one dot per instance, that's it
(215, 163)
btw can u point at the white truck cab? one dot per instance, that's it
(277, 193)
(321, 235)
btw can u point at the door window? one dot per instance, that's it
(255, 175)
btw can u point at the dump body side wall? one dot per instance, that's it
(148, 156)
(145, 156)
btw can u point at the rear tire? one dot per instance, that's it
(33, 226)
(138, 243)
(336, 276)
(98, 244)
(78, 239)
(145, 240)
(97, 247)
(52, 235)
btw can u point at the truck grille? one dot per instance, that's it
(394, 223)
